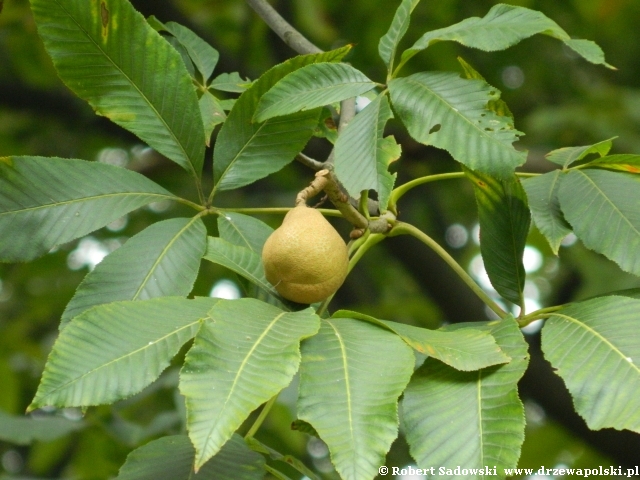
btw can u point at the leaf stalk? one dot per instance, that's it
(402, 228)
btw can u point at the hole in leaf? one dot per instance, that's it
(435, 128)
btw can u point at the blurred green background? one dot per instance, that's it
(557, 100)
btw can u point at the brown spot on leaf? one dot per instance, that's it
(104, 14)
(481, 184)
(1, 5)
(633, 169)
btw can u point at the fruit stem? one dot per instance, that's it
(402, 228)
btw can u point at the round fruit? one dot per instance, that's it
(305, 259)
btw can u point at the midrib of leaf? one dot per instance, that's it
(104, 365)
(237, 155)
(319, 89)
(616, 209)
(556, 179)
(161, 256)
(84, 199)
(245, 146)
(267, 286)
(347, 382)
(238, 231)
(238, 375)
(456, 110)
(600, 337)
(134, 85)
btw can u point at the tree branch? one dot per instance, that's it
(282, 28)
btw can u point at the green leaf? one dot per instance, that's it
(49, 201)
(399, 25)
(351, 376)
(623, 162)
(241, 260)
(203, 55)
(504, 225)
(466, 349)
(113, 351)
(246, 151)
(502, 27)
(161, 261)
(542, 193)
(446, 111)
(230, 82)
(171, 458)
(243, 231)
(593, 345)
(568, 155)
(108, 55)
(603, 207)
(363, 154)
(23, 430)
(312, 86)
(186, 59)
(629, 292)
(498, 105)
(468, 419)
(240, 360)
(212, 114)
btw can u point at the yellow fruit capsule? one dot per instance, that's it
(305, 259)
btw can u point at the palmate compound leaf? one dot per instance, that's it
(245, 150)
(464, 349)
(468, 419)
(603, 207)
(542, 193)
(113, 351)
(363, 154)
(45, 202)
(240, 360)
(447, 111)
(504, 225)
(161, 261)
(351, 376)
(502, 27)
(108, 55)
(312, 86)
(399, 25)
(171, 458)
(594, 346)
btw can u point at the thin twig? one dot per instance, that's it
(310, 162)
(282, 28)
